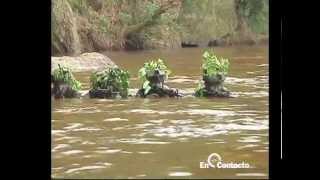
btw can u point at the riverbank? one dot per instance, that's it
(80, 26)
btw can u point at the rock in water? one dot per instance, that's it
(85, 62)
(189, 44)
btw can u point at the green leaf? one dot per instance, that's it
(145, 84)
(147, 89)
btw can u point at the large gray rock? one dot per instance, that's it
(84, 62)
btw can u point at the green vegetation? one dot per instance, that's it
(214, 71)
(64, 75)
(212, 65)
(148, 70)
(255, 13)
(115, 79)
(98, 25)
(199, 91)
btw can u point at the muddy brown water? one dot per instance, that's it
(167, 138)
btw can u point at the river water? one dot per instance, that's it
(167, 138)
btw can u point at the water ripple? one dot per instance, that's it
(251, 174)
(72, 152)
(115, 119)
(180, 174)
(140, 141)
(84, 168)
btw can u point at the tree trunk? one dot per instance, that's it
(242, 31)
(131, 34)
(241, 22)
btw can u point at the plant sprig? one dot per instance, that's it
(199, 90)
(213, 65)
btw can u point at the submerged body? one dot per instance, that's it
(63, 90)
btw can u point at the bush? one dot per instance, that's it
(212, 65)
(214, 70)
(114, 78)
(149, 69)
(64, 75)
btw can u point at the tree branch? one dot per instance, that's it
(151, 21)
